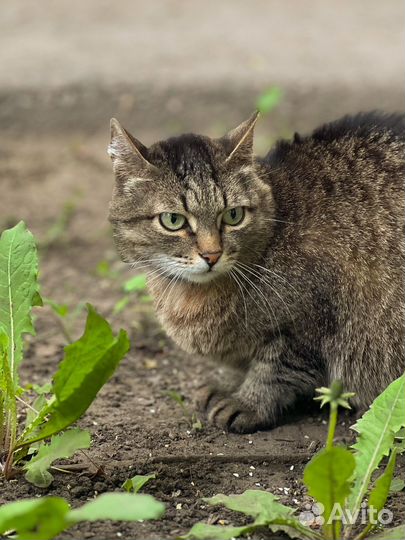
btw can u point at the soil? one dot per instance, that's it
(136, 428)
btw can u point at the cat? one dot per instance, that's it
(288, 269)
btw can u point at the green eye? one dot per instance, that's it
(171, 221)
(233, 216)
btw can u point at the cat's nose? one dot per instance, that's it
(211, 258)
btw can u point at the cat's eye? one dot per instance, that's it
(172, 221)
(233, 216)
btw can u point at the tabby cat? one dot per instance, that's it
(289, 269)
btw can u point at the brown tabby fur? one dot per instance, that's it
(308, 288)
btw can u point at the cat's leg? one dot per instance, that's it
(276, 378)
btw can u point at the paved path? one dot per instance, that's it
(180, 48)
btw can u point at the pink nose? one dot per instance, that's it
(211, 258)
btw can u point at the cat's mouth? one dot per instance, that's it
(200, 272)
(202, 277)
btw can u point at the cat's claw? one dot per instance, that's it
(231, 415)
(208, 396)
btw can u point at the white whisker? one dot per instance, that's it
(261, 297)
(273, 289)
(238, 283)
(273, 273)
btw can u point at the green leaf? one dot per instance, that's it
(202, 531)
(62, 310)
(376, 429)
(396, 533)
(397, 485)
(39, 403)
(177, 397)
(8, 403)
(34, 519)
(261, 505)
(61, 447)
(18, 290)
(86, 367)
(42, 389)
(381, 489)
(269, 99)
(118, 507)
(327, 477)
(121, 304)
(137, 283)
(137, 482)
(45, 518)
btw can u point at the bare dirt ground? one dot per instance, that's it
(65, 72)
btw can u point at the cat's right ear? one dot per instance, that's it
(128, 155)
(238, 143)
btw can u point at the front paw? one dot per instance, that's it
(232, 415)
(207, 396)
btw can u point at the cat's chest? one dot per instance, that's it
(199, 319)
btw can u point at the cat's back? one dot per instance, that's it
(350, 171)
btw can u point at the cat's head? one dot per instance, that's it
(190, 206)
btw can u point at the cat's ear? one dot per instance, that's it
(129, 156)
(238, 142)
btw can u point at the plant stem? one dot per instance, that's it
(26, 404)
(364, 532)
(332, 425)
(8, 466)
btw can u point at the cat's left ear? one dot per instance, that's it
(129, 156)
(238, 143)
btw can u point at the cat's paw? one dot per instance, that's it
(232, 415)
(207, 396)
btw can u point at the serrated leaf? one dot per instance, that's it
(203, 531)
(377, 429)
(263, 507)
(327, 477)
(34, 519)
(61, 447)
(118, 507)
(137, 283)
(381, 489)
(87, 365)
(18, 289)
(396, 533)
(137, 482)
